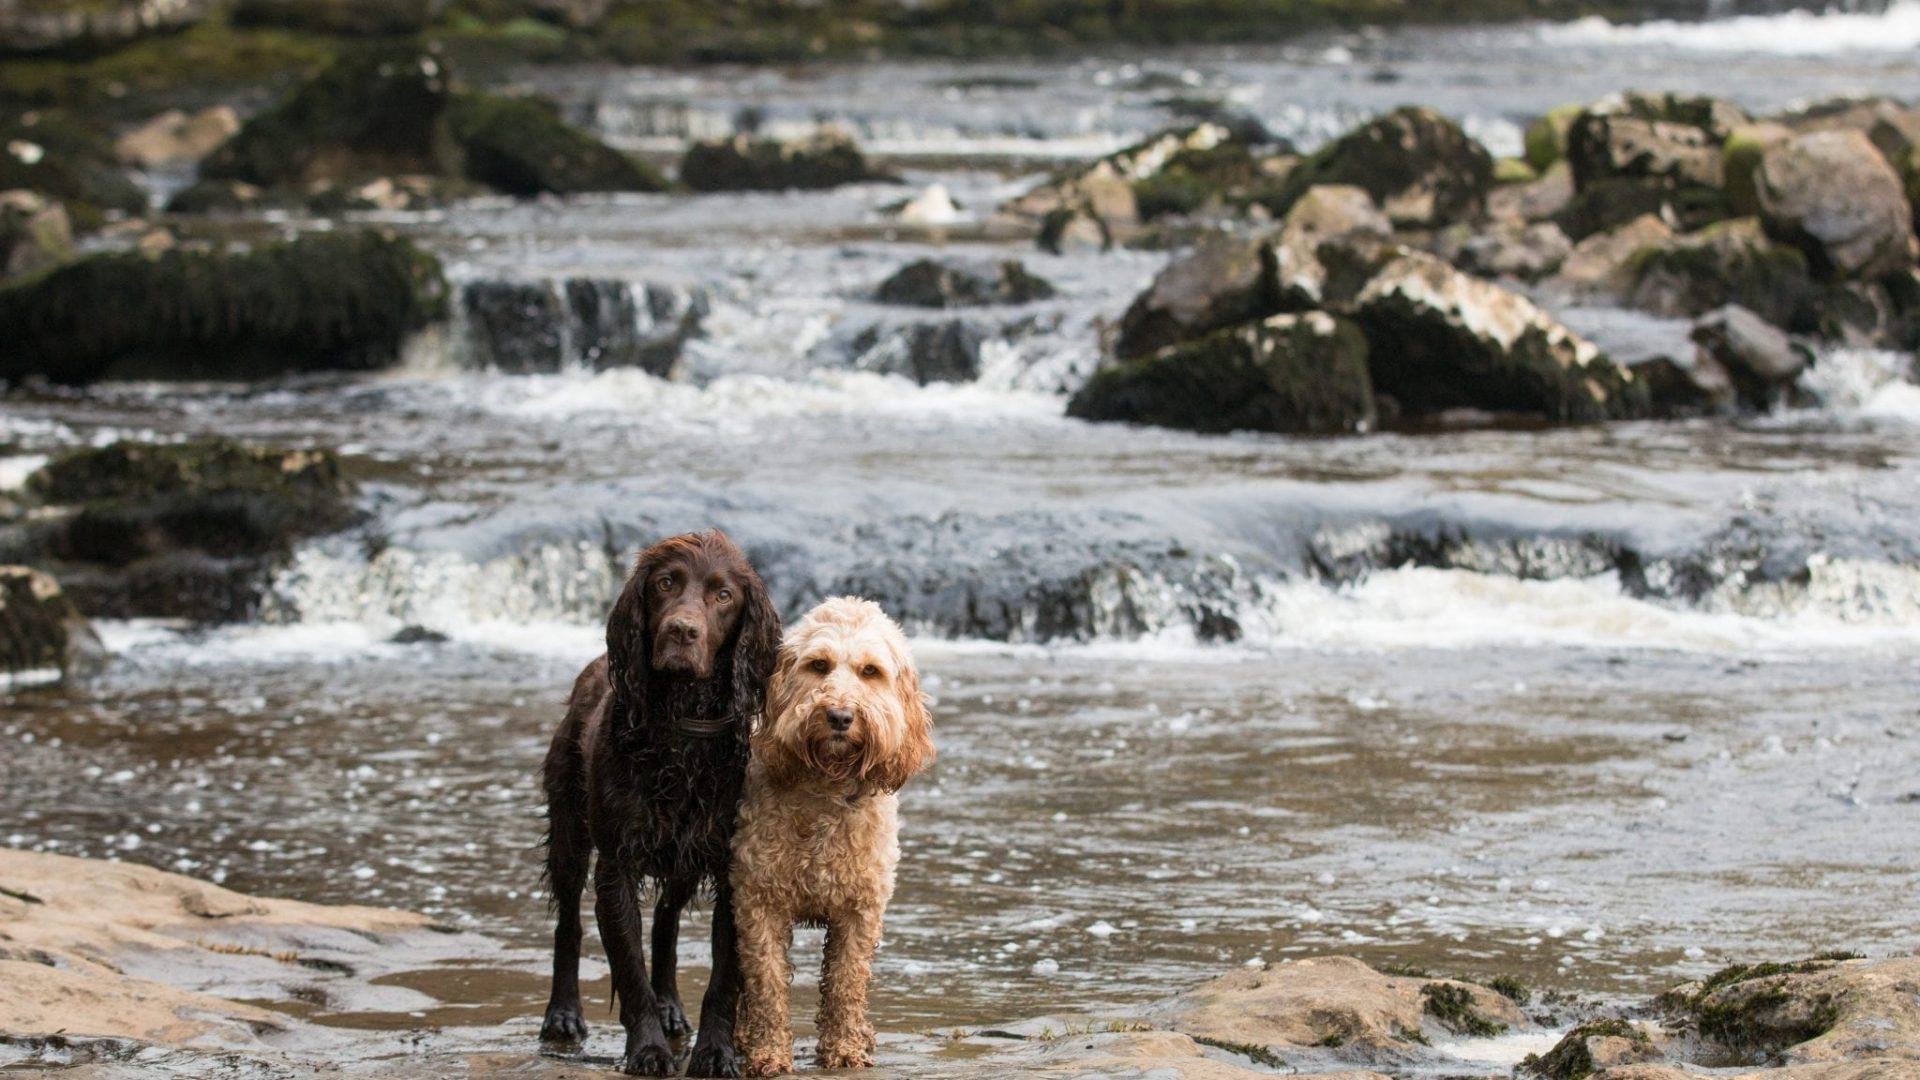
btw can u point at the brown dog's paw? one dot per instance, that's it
(769, 1063)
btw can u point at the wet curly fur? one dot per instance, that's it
(818, 840)
(648, 768)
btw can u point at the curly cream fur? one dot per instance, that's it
(818, 837)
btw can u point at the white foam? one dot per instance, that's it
(15, 470)
(1794, 33)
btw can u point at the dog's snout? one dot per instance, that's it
(683, 629)
(839, 718)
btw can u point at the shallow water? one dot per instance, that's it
(1601, 708)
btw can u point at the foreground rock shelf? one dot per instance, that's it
(108, 963)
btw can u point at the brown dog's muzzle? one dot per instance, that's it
(681, 645)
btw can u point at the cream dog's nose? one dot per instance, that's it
(839, 718)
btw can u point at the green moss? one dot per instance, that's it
(1259, 1055)
(1740, 159)
(1546, 139)
(1510, 988)
(341, 301)
(1570, 1060)
(1729, 263)
(1408, 150)
(1453, 1006)
(1513, 171)
(522, 147)
(206, 59)
(1404, 971)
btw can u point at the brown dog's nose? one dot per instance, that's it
(839, 719)
(684, 630)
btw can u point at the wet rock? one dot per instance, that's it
(1604, 205)
(43, 637)
(1662, 137)
(177, 138)
(1833, 194)
(1225, 281)
(1419, 166)
(1289, 374)
(1546, 138)
(1440, 339)
(1074, 231)
(1329, 215)
(520, 146)
(1820, 1010)
(1528, 252)
(67, 159)
(1595, 1045)
(361, 18)
(1296, 1010)
(187, 530)
(1760, 358)
(1193, 180)
(27, 27)
(1603, 264)
(331, 301)
(1732, 262)
(1164, 1055)
(1746, 148)
(35, 234)
(936, 284)
(744, 163)
(1105, 190)
(1676, 390)
(72, 930)
(374, 112)
(1536, 200)
(524, 327)
(1892, 125)
(923, 352)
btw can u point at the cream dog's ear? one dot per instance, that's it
(772, 736)
(914, 750)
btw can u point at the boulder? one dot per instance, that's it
(1198, 179)
(1419, 166)
(1810, 1011)
(1730, 263)
(520, 146)
(1590, 1047)
(1608, 204)
(1602, 265)
(27, 26)
(1339, 215)
(1740, 160)
(1440, 339)
(331, 301)
(35, 234)
(1535, 200)
(43, 637)
(1106, 189)
(1676, 389)
(1833, 194)
(187, 530)
(1892, 125)
(1760, 358)
(744, 163)
(1334, 1002)
(377, 111)
(67, 159)
(1637, 153)
(1288, 374)
(937, 284)
(1226, 280)
(1546, 138)
(360, 18)
(177, 138)
(1080, 230)
(1525, 252)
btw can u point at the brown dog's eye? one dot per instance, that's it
(724, 596)
(871, 671)
(664, 583)
(821, 666)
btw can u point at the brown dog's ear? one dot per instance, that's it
(630, 634)
(756, 647)
(915, 751)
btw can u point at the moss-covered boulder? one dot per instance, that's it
(521, 146)
(1740, 161)
(1107, 189)
(329, 301)
(944, 284)
(189, 530)
(1590, 1047)
(1195, 180)
(35, 234)
(41, 26)
(1637, 153)
(376, 111)
(43, 636)
(1733, 262)
(744, 163)
(69, 159)
(361, 18)
(1336, 218)
(1440, 339)
(1289, 373)
(1224, 281)
(1833, 195)
(1419, 166)
(1827, 1009)
(1546, 138)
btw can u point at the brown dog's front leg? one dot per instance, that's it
(846, 1039)
(617, 907)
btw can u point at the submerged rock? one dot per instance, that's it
(936, 284)
(524, 327)
(1419, 166)
(1833, 194)
(43, 636)
(1288, 374)
(186, 530)
(521, 146)
(340, 301)
(924, 352)
(1440, 339)
(744, 163)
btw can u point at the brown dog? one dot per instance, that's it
(846, 727)
(648, 767)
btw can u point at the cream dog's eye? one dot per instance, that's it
(871, 671)
(821, 666)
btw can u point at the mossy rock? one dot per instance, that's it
(1224, 281)
(744, 163)
(1289, 374)
(324, 302)
(1453, 1006)
(521, 146)
(69, 159)
(1513, 171)
(189, 530)
(1730, 263)
(1572, 1057)
(1546, 138)
(376, 111)
(1419, 166)
(1194, 179)
(935, 284)
(41, 631)
(1740, 161)
(82, 27)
